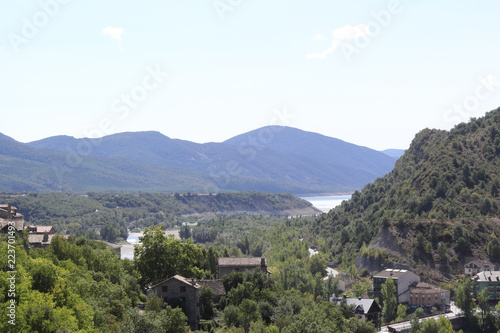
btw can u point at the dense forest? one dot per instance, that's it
(113, 214)
(440, 203)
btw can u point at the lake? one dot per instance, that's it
(325, 203)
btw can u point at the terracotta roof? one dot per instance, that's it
(233, 261)
(216, 285)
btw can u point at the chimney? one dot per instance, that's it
(263, 262)
(9, 207)
(45, 237)
(193, 282)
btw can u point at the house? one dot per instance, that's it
(475, 266)
(41, 229)
(8, 213)
(489, 280)
(182, 291)
(217, 287)
(179, 290)
(423, 294)
(402, 278)
(232, 264)
(364, 308)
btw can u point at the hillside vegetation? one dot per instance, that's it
(441, 203)
(82, 214)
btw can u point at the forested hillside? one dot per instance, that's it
(440, 203)
(271, 159)
(85, 214)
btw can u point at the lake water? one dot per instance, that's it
(325, 203)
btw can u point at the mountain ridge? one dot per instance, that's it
(315, 164)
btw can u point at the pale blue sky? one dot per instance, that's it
(231, 71)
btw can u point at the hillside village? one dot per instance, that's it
(186, 291)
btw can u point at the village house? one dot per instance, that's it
(41, 236)
(426, 295)
(489, 280)
(177, 290)
(472, 267)
(182, 291)
(402, 278)
(8, 213)
(364, 308)
(232, 264)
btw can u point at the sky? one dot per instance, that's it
(373, 73)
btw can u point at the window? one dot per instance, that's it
(164, 289)
(183, 299)
(183, 289)
(165, 299)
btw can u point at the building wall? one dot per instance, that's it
(493, 289)
(404, 283)
(175, 289)
(430, 297)
(224, 270)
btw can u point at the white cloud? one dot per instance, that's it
(340, 35)
(115, 33)
(319, 37)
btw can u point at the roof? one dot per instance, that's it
(39, 229)
(216, 285)
(182, 279)
(393, 273)
(38, 238)
(487, 276)
(233, 261)
(362, 305)
(476, 263)
(18, 224)
(423, 287)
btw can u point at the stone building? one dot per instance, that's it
(179, 290)
(182, 291)
(402, 278)
(8, 213)
(232, 264)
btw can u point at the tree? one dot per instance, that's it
(401, 311)
(185, 232)
(465, 300)
(160, 257)
(249, 312)
(206, 299)
(390, 302)
(441, 251)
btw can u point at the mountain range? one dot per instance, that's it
(270, 159)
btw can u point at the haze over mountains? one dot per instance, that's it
(269, 159)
